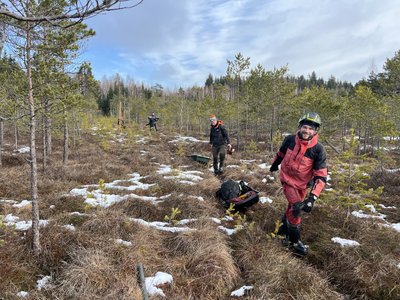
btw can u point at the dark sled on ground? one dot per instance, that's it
(238, 194)
(200, 158)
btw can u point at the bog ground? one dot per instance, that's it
(121, 202)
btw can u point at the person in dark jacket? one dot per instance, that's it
(219, 140)
(303, 160)
(153, 121)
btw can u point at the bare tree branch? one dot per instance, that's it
(77, 12)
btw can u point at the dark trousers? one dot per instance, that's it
(219, 153)
(153, 127)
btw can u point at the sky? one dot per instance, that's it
(178, 43)
(94, 195)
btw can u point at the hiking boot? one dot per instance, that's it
(220, 170)
(284, 239)
(299, 248)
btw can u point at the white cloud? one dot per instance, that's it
(178, 43)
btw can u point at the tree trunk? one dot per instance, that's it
(44, 153)
(1, 136)
(271, 129)
(331, 145)
(65, 148)
(16, 134)
(33, 160)
(47, 129)
(74, 129)
(343, 135)
(238, 141)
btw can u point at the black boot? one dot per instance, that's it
(299, 248)
(294, 238)
(221, 165)
(283, 232)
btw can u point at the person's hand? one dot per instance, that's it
(274, 167)
(309, 203)
(296, 208)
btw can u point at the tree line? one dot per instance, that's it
(260, 104)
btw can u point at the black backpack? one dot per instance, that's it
(229, 189)
(237, 193)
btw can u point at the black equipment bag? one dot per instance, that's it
(239, 193)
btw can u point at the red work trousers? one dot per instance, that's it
(293, 196)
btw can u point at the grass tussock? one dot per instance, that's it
(18, 187)
(369, 270)
(18, 267)
(91, 274)
(57, 244)
(110, 223)
(140, 209)
(205, 266)
(277, 274)
(66, 204)
(189, 207)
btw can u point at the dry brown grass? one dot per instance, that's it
(14, 182)
(17, 266)
(276, 274)
(369, 270)
(366, 271)
(202, 263)
(92, 274)
(136, 208)
(205, 263)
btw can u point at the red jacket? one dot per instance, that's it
(301, 161)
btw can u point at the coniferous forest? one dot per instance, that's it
(93, 203)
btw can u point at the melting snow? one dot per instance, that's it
(265, 200)
(345, 242)
(124, 243)
(240, 292)
(25, 149)
(362, 215)
(21, 225)
(22, 203)
(186, 139)
(158, 279)
(43, 283)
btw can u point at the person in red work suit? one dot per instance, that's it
(303, 160)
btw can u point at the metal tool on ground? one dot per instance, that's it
(142, 280)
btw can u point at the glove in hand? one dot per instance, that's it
(274, 168)
(309, 203)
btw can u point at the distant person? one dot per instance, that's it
(153, 121)
(302, 160)
(219, 140)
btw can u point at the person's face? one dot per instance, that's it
(213, 122)
(307, 132)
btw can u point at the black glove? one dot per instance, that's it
(297, 207)
(309, 203)
(274, 167)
